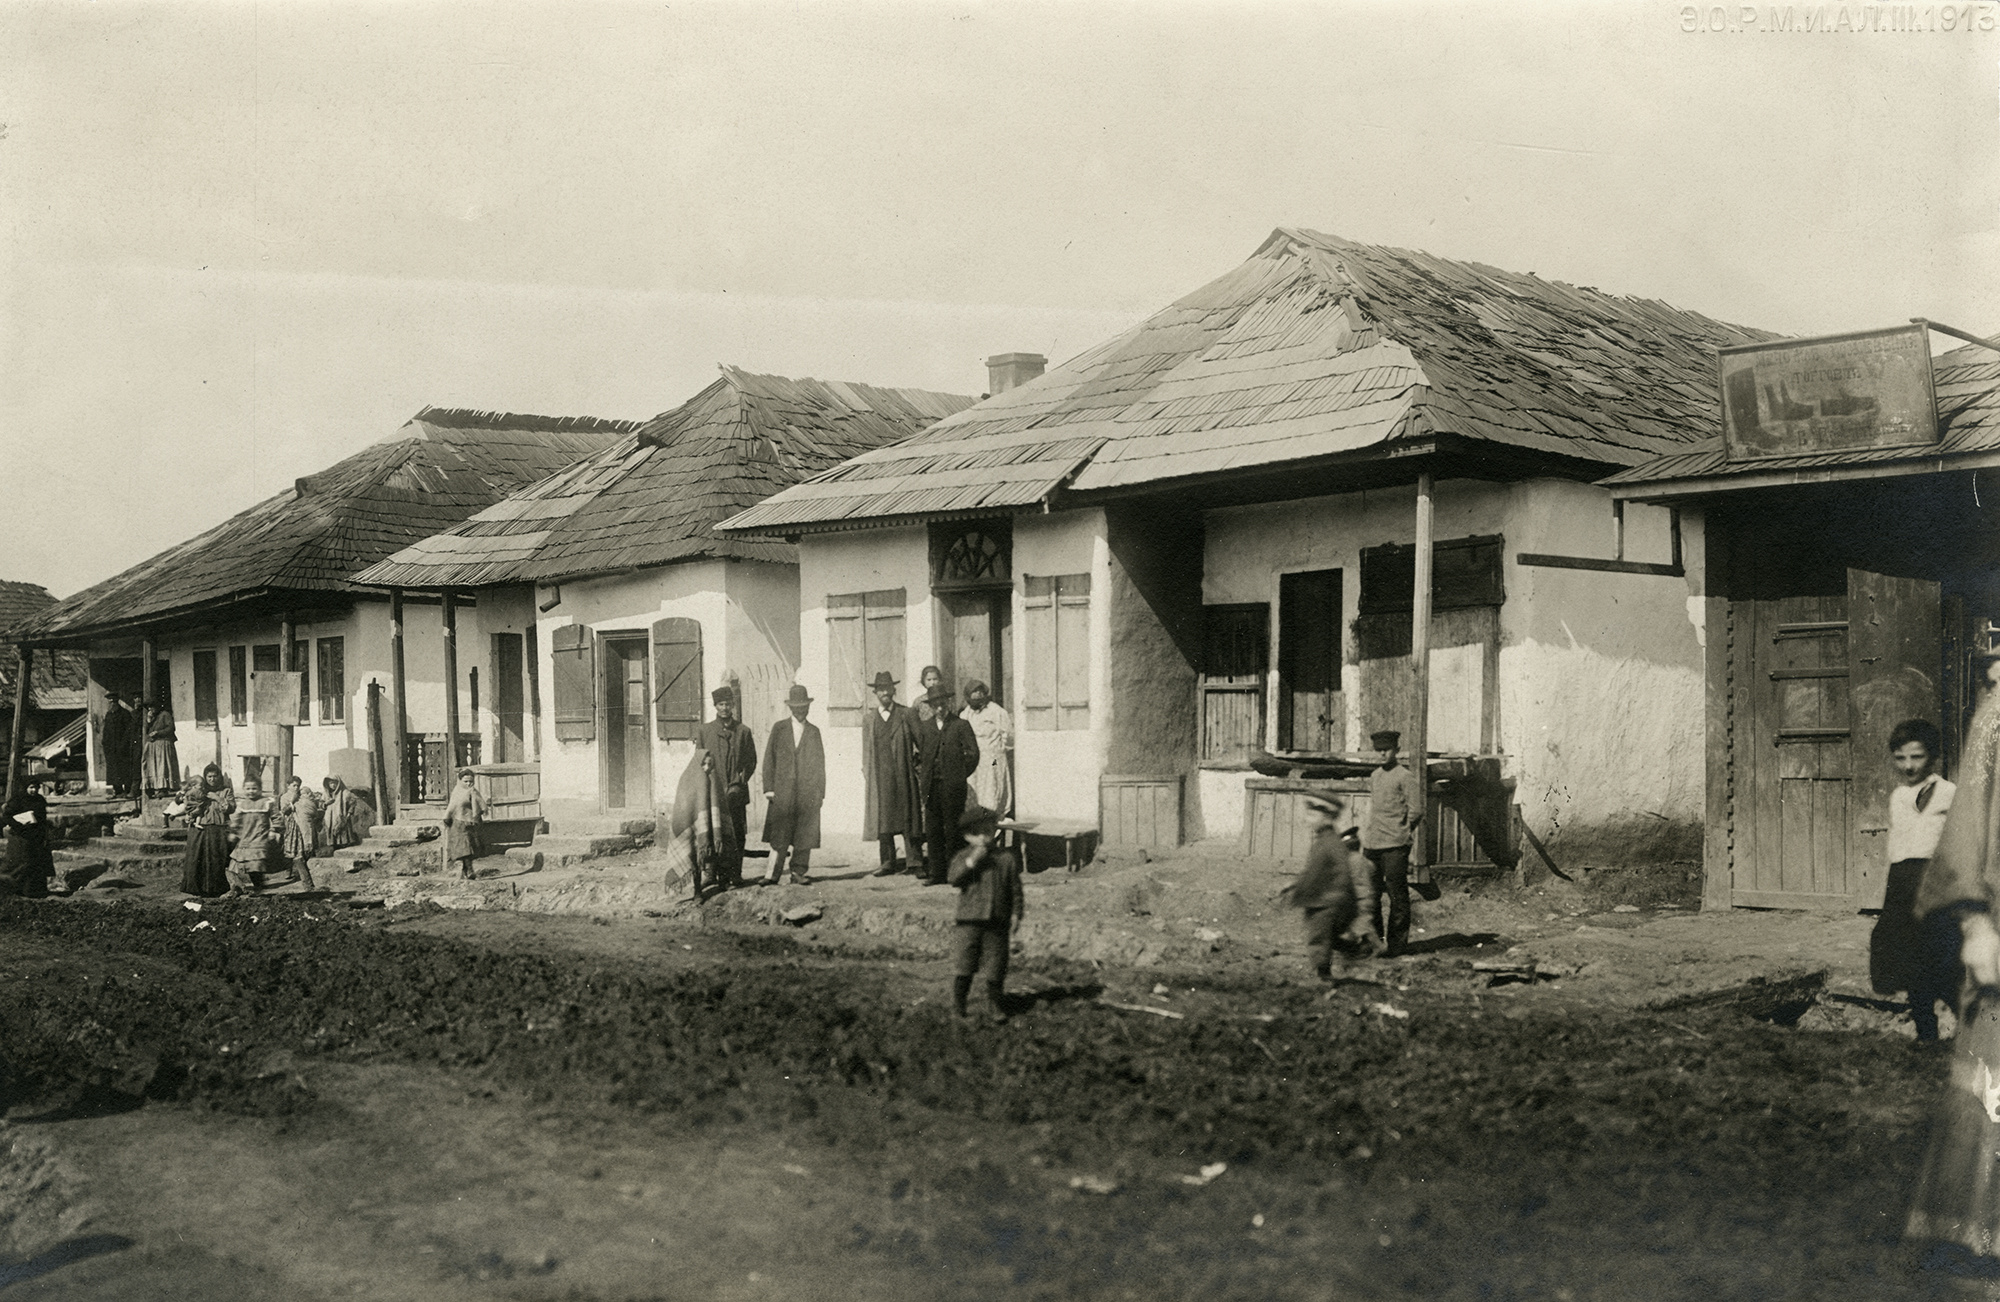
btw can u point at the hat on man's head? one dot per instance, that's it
(975, 817)
(883, 678)
(798, 695)
(723, 695)
(1386, 739)
(939, 694)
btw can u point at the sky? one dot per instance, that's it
(240, 241)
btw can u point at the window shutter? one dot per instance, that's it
(576, 685)
(883, 636)
(1073, 651)
(1038, 706)
(677, 678)
(204, 689)
(847, 686)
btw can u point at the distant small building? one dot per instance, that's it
(641, 608)
(1195, 542)
(212, 611)
(56, 693)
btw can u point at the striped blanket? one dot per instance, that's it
(699, 828)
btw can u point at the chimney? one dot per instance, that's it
(1005, 371)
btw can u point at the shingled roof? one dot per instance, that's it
(58, 682)
(432, 473)
(653, 497)
(1967, 385)
(1314, 347)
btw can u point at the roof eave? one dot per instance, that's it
(1697, 486)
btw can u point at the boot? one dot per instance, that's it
(306, 882)
(996, 1002)
(960, 987)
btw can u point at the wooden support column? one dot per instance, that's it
(287, 633)
(400, 683)
(1420, 662)
(450, 693)
(534, 666)
(17, 769)
(146, 707)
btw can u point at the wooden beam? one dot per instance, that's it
(1420, 659)
(1547, 561)
(400, 684)
(146, 707)
(1718, 846)
(287, 634)
(17, 771)
(450, 693)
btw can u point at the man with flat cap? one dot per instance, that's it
(794, 786)
(889, 772)
(732, 752)
(1395, 808)
(947, 757)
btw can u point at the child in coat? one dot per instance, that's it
(990, 902)
(1325, 890)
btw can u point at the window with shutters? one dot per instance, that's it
(239, 685)
(204, 689)
(1235, 656)
(864, 634)
(1058, 652)
(677, 678)
(571, 667)
(1465, 572)
(332, 665)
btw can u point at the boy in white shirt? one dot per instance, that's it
(1904, 953)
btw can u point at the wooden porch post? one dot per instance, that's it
(450, 693)
(287, 633)
(17, 772)
(146, 705)
(400, 682)
(1420, 660)
(533, 644)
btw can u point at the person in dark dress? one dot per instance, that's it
(732, 752)
(947, 757)
(118, 739)
(794, 788)
(210, 806)
(889, 771)
(28, 863)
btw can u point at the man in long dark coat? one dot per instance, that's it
(732, 752)
(947, 757)
(889, 767)
(118, 739)
(794, 787)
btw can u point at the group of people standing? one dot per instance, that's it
(127, 770)
(238, 843)
(921, 767)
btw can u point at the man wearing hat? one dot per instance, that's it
(947, 757)
(732, 752)
(794, 786)
(889, 773)
(1395, 808)
(118, 740)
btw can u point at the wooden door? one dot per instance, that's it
(1312, 713)
(1895, 654)
(1794, 755)
(628, 745)
(509, 744)
(975, 640)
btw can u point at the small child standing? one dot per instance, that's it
(463, 814)
(249, 839)
(1325, 890)
(989, 904)
(1905, 952)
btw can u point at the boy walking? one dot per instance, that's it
(989, 904)
(1395, 808)
(1325, 890)
(1906, 952)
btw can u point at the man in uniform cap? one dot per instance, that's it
(794, 786)
(1395, 808)
(947, 757)
(732, 752)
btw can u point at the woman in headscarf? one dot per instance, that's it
(463, 814)
(993, 780)
(160, 766)
(347, 818)
(210, 806)
(28, 864)
(1957, 1202)
(299, 828)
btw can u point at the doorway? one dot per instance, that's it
(509, 733)
(1312, 712)
(977, 640)
(628, 741)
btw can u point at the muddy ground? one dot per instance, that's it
(303, 1099)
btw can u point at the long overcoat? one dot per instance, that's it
(889, 764)
(947, 757)
(795, 779)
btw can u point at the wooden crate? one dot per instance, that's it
(1140, 810)
(513, 791)
(1275, 821)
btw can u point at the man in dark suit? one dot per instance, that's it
(794, 787)
(889, 771)
(947, 757)
(732, 752)
(118, 739)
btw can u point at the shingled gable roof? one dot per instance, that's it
(653, 497)
(1967, 385)
(58, 682)
(440, 467)
(1314, 347)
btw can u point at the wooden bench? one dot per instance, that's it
(1066, 841)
